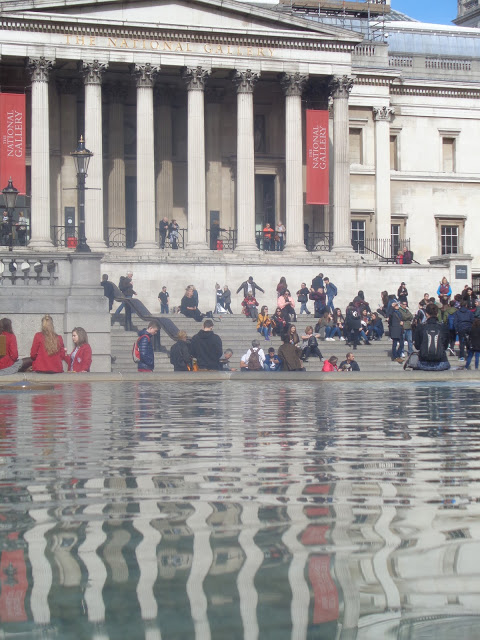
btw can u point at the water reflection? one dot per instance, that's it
(201, 511)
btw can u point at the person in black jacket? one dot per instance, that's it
(180, 355)
(145, 347)
(474, 344)
(422, 336)
(188, 307)
(108, 291)
(249, 286)
(207, 348)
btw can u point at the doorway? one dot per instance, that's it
(264, 202)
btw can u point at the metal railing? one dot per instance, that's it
(19, 239)
(226, 240)
(385, 249)
(64, 236)
(319, 240)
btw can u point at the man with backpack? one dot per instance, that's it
(431, 340)
(143, 349)
(462, 321)
(254, 359)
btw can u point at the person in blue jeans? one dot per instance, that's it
(302, 297)
(331, 291)
(474, 344)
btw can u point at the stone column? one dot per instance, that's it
(195, 79)
(382, 117)
(293, 85)
(245, 82)
(68, 89)
(39, 69)
(145, 74)
(116, 95)
(340, 88)
(94, 221)
(163, 152)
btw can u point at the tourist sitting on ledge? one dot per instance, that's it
(431, 341)
(188, 307)
(250, 305)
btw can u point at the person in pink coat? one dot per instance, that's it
(330, 364)
(287, 305)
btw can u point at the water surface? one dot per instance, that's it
(229, 511)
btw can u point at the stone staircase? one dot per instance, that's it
(237, 333)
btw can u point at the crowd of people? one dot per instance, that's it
(47, 354)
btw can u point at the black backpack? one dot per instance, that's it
(432, 348)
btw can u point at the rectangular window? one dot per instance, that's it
(358, 235)
(449, 239)
(394, 153)
(356, 146)
(448, 155)
(395, 239)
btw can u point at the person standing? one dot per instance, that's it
(267, 237)
(474, 344)
(108, 291)
(173, 228)
(331, 291)
(164, 296)
(302, 297)
(402, 293)
(125, 284)
(396, 332)
(80, 360)
(280, 236)
(407, 318)
(22, 228)
(163, 228)
(227, 299)
(407, 256)
(219, 308)
(47, 350)
(145, 347)
(206, 347)
(462, 321)
(317, 282)
(249, 286)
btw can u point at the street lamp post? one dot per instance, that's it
(81, 157)
(10, 196)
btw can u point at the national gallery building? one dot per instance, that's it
(195, 111)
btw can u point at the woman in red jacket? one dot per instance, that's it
(10, 360)
(47, 350)
(80, 359)
(330, 364)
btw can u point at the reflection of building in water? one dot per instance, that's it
(287, 531)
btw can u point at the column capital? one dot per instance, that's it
(293, 84)
(115, 92)
(145, 74)
(340, 86)
(39, 68)
(92, 71)
(383, 113)
(69, 86)
(245, 80)
(195, 78)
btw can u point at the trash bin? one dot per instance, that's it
(219, 245)
(71, 243)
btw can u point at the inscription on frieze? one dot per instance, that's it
(168, 46)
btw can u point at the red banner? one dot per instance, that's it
(12, 140)
(317, 157)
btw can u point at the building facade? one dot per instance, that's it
(195, 111)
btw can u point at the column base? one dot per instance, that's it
(41, 244)
(198, 247)
(294, 249)
(247, 248)
(146, 246)
(97, 245)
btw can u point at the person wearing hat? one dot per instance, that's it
(402, 293)
(395, 324)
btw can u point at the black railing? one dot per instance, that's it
(176, 241)
(385, 249)
(225, 241)
(119, 237)
(319, 240)
(65, 236)
(20, 238)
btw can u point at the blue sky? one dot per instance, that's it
(437, 11)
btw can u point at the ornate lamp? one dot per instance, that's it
(81, 157)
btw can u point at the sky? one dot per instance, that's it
(436, 11)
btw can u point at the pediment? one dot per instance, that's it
(217, 15)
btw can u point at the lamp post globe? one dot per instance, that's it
(10, 194)
(81, 157)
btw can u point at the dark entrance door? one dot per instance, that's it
(264, 204)
(131, 210)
